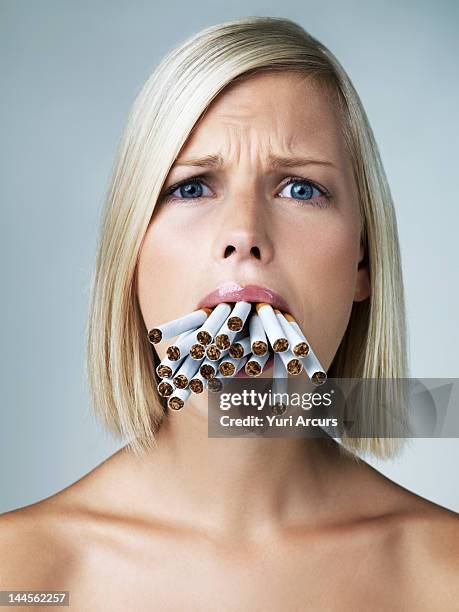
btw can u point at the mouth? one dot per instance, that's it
(233, 292)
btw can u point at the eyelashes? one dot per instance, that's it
(322, 199)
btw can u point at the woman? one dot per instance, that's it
(247, 160)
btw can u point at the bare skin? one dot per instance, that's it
(242, 524)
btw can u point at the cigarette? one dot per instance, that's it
(291, 362)
(299, 346)
(225, 336)
(208, 369)
(175, 327)
(197, 351)
(177, 400)
(196, 384)
(204, 335)
(258, 340)
(230, 366)
(313, 369)
(280, 385)
(215, 384)
(214, 353)
(240, 348)
(238, 315)
(272, 327)
(167, 367)
(165, 387)
(255, 364)
(182, 346)
(187, 370)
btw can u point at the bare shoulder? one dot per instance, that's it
(424, 549)
(38, 548)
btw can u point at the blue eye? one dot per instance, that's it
(190, 189)
(301, 190)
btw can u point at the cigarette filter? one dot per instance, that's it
(292, 363)
(298, 345)
(258, 339)
(204, 335)
(187, 370)
(178, 398)
(182, 346)
(240, 348)
(272, 327)
(255, 364)
(166, 387)
(175, 327)
(238, 315)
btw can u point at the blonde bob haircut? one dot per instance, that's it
(120, 360)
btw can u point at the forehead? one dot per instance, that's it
(287, 111)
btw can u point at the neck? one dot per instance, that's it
(254, 484)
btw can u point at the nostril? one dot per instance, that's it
(256, 251)
(229, 249)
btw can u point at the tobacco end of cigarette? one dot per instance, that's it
(196, 385)
(236, 350)
(213, 352)
(203, 337)
(222, 341)
(173, 352)
(181, 381)
(252, 368)
(301, 349)
(318, 378)
(155, 335)
(294, 367)
(165, 389)
(215, 385)
(227, 368)
(197, 351)
(280, 345)
(175, 403)
(259, 347)
(235, 323)
(164, 371)
(207, 371)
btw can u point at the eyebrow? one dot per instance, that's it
(274, 162)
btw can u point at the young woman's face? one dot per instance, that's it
(281, 211)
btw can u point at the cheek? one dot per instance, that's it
(160, 272)
(328, 262)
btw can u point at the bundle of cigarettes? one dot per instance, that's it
(216, 343)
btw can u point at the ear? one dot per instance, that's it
(362, 284)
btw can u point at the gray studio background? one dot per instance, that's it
(69, 73)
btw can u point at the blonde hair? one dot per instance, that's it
(120, 360)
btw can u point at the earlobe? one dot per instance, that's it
(362, 284)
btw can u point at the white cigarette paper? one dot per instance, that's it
(169, 367)
(258, 339)
(230, 366)
(291, 362)
(272, 327)
(187, 370)
(181, 346)
(314, 369)
(238, 315)
(177, 326)
(255, 364)
(298, 344)
(178, 398)
(207, 331)
(240, 348)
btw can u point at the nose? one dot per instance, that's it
(243, 234)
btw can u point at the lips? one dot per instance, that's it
(233, 292)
